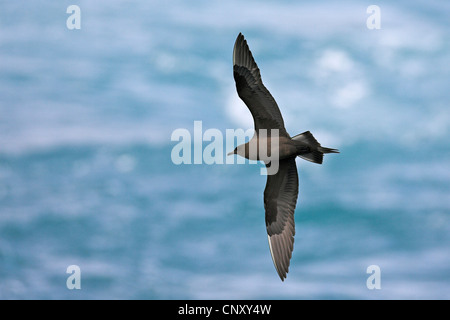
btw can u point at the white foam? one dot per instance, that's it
(377, 188)
(237, 111)
(40, 138)
(349, 94)
(403, 276)
(125, 163)
(334, 60)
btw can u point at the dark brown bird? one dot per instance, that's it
(271, 138)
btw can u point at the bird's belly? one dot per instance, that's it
(270, 149)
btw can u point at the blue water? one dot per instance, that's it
(86, 176)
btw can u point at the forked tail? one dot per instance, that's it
(314, 151)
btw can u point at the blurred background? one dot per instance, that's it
(86, 176)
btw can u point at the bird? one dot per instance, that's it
(281, 191)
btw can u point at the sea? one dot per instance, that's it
(93, 205)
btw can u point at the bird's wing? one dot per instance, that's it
(252, 91)
(280, 199)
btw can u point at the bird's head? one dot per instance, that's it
(239, 150)
(232, 152)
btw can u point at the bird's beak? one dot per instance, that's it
(230, 153)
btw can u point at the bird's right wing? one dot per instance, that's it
(252, 91)
(280, 199)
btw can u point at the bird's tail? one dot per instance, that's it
(314, 151)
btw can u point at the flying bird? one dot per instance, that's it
(281, 192)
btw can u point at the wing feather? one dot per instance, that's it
(252, 91)
(280, 199)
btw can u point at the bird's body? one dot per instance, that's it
(271, 138)
(252, 150)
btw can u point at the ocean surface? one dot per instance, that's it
(87, 178)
